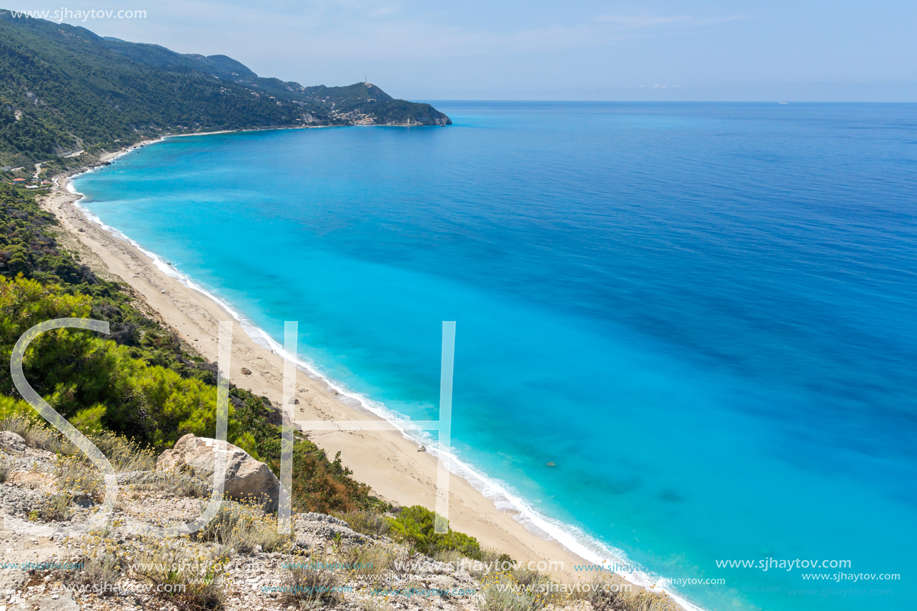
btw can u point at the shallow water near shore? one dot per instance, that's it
(702, 314)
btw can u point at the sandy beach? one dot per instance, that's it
(392, 465)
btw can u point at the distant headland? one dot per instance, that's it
(66, 90)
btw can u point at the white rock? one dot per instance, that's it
(12, 441)
(246, 478)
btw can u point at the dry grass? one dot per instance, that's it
(371, 559)
(102, 563)
(123, 453)
(177, 483)
(606, 595)
(37, 435)
(183, 485)
(449, 556)
(647, 601)
(375, 603)
(601, 593)
(491, 560)
(76, 475)
(528, 578)
(56, 508)
(365, 522)
(185, 577)
(501, 592)
(242, 528)
(307, 588)
(526, 590)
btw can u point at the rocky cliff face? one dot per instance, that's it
(424, 120)
(238, 562)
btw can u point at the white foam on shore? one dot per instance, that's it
(500, 493)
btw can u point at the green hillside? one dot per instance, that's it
(64, 89)
(139, 381)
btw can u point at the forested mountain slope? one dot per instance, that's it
(64, 89)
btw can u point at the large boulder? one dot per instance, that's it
(246, 478)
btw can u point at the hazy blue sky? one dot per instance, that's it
(520, 49)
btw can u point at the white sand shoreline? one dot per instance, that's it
(386, 460)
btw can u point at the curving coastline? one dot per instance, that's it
(386, 460)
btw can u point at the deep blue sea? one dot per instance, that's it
(704, 314)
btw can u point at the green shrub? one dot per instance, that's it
(97, 381)
(415, 525)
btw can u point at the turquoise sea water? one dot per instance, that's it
(703, 314)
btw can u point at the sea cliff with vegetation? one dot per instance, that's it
(66, 92)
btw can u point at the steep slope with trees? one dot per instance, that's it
(64, 89)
